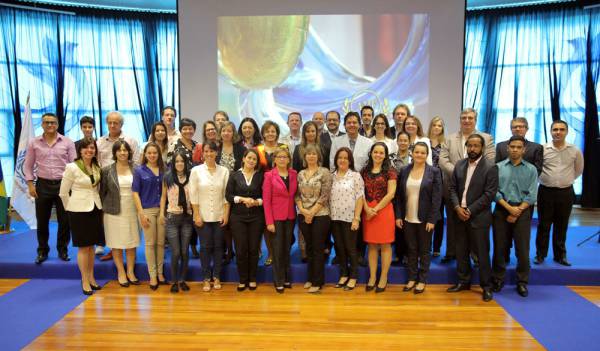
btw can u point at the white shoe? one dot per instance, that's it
(307, 285)
(99, 250)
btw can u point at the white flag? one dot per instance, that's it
(21, 201)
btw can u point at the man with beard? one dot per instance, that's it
(473, 186)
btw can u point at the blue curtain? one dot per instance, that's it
(86, 64)
(540, 62)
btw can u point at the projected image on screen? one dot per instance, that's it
(272, 65)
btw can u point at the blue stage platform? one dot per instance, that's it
(18, 251)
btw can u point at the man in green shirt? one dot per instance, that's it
(517, 192)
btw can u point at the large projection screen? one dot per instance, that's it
(266, 58)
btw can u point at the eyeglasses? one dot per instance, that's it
(49, 123)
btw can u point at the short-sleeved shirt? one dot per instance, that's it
(376, 185)
(315, 189)
(148, 186)
(344, 193)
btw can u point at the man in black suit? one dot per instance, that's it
(473, 186)
(534, 152)
(332, 121)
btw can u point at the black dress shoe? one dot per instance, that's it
(241, 287)
(448, 259)
(563, 261)
(497, 286)
(538, 260)
(487, 295)
(154, 287)
(40, 258)
(175, 288)
(522, 290)
(64, 256)
(184, 286)
(86, 292)
(459, 287)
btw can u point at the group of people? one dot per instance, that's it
(375, 188)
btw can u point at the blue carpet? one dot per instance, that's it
(18, 250)
(555, 316)
(33, 307)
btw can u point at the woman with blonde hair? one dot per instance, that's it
(436, 136)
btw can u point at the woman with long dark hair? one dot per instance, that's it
(378, 213)
(80, 198)
(249, 133)
(175, 201)
(247, 220)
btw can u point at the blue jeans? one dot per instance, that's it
(179, 233)
(211, 249)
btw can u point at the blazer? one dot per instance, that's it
(534, 154)
(360, 153)
(430, 194)
(453, 150)
(238, 154)
(76, 190)
(278, 202)
(236, 186)
(110, 192)
(326, 138)
(297, 162)
(482, 190)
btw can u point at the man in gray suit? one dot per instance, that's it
(472, 188)
(454, 150)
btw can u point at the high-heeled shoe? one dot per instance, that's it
(95, 287)
(369, 287)
(341, 284)
(86, 292)
(409, 287)
(174, 288)
(380, 290)
(348, 287)
(124, 285)
(154, 287)
(133, 282)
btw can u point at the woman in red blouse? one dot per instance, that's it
(378, 213)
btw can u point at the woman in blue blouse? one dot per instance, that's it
(147, 191)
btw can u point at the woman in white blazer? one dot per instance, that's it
(79, 195)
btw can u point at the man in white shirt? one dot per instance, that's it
(563, 163)
(294, 122)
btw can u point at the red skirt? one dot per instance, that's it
(379, 229)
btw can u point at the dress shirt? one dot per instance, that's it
(207, 191)
(333, 136)
(148, 186)
(470, 170)
(518, 183)
(291, 141)
(345, 192)
(561, 166)
(49, 160)
(105, 145)
(314, 189)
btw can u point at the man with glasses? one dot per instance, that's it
(48, 154)
(534, 152)
(454, 150)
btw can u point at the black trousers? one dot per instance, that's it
(504, 234)
(451, 220)
(47, 191)
(476, 239)
(418, 241)
(247, 235)
(315, 235)
(400, 245)
(554, 208)
(345, 247)
(282, 241)
(438, 231)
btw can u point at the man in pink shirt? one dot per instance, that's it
(48, 155)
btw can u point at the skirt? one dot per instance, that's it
(86, 228)
(379, 229)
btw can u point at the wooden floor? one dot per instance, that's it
(7, 285)
(592, 293)
(137, 318)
